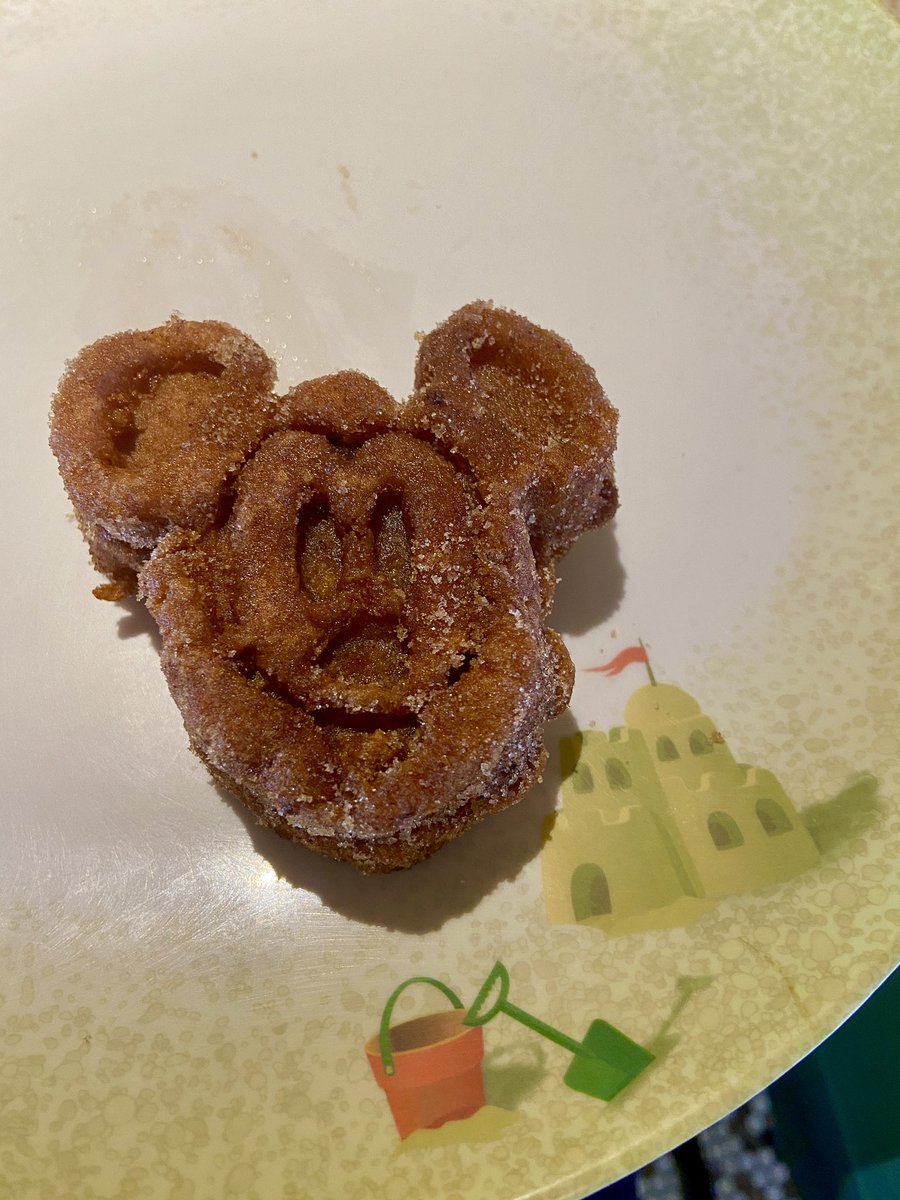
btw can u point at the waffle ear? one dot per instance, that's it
(147, 426)
(527, 416)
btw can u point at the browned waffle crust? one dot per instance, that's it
(352, 594)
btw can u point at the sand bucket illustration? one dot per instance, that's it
(429, 1067)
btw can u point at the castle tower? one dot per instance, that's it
(683, 740)
(736, 826)
(607, 854)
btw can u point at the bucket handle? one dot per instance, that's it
(384, 1033)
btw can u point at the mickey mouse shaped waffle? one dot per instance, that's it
(351, 593)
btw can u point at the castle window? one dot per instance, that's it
(590, 892)
(700, 742)
(617, 774)
(582, 778)
(773, 818)
(724, 831)
(666, 750)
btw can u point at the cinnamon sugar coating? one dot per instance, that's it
(526, 414)
(358, 651)
(147, 427)
(354, 625)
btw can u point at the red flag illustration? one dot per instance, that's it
(631, 654)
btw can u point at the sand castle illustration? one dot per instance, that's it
(659, 821)
(658, 813)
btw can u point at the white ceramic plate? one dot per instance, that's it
(703, 198)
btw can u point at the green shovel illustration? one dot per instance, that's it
(605, 1060)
